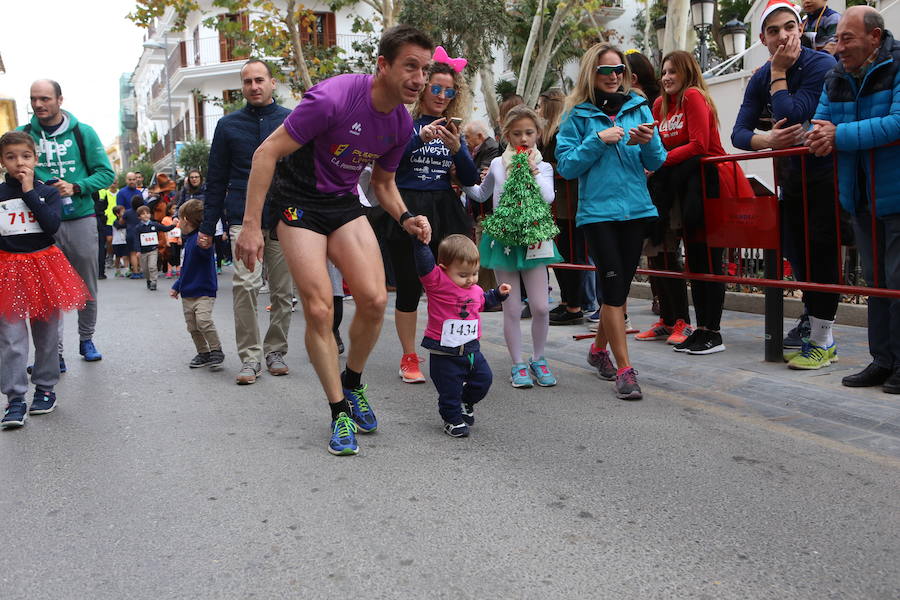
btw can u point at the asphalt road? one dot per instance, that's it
(155, 481)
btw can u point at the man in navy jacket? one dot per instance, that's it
(237, 136)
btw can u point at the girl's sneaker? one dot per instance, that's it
(409, 369)
(542, 373)
(657, 331)
(519, 376)
(461, 430)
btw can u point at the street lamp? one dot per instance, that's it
(165, 48)
(702, 12)
(734, 37)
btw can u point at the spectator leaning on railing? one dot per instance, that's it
(859, 112)
(788, 86)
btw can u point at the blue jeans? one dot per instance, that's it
(884, 313)
(459, 380)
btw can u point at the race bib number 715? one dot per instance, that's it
(17, 219)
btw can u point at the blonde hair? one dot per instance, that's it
(460, 107)
(517, 113)
(688, 71)
(458, 248)
(584, 86)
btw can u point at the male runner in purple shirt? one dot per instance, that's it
(341, 125)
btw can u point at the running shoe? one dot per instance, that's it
(519, 376)
(812, 357)
(15, 414)
(216, 358)
(343, 436)
(601, 360)
(541, 371)
(199, 361)
(409, 369)
(709, 343)
(680, 332)
(594, 317)
(250, 371)
(627, 387)
(657, 331)
(360, 409)
(800, 332)
(457, 431)
(42, 403)
(275, 364)
(629, 328)
(87, 349)
(567, 318)
(468, 414)
(693, 337)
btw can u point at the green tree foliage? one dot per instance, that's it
(194, 155)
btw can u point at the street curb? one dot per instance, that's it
(847, 314)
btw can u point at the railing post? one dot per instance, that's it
(774, 304)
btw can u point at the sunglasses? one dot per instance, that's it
(449, 93)
(610, 69)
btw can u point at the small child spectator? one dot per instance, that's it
(172, 241)
(120, 242)
(147, 233)
(458, 369)
(197, 285)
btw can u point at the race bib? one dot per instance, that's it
(175, 233)
(17, 219)
(149, 239)
(539, 250)
(457, 332)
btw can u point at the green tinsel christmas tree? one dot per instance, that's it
(522, 217)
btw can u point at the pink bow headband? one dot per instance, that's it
(440, 55)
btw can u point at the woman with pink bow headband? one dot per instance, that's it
(434, 152)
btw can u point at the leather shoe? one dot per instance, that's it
(869, 377)
(892, 385)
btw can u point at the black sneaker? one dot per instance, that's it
(558, 310)
(709, 343)
(869, 377)
(567, 318)
(801, 331)
(526, 312)
(152, 286)
(42, 403)
(891, 386)
(15, 414)
(148, 284)
(216, 358)
(691, 339)
(461, 430)
(199, 361)
(468, 414)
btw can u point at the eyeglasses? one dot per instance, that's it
(449, 93)
(610, 69)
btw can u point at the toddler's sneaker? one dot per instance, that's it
(216, 358)
(360, 409)
(88, 350)
(601, 360)
(657, 331)
(542, 373)
(519, 376)
(468, 414)
(457, 431)
(343, 436)
(812, 357)
(15, 414)
(42, 403)
(409, 369)
(627, 387)
(199, 361)
(680, 332)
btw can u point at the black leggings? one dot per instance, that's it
(616, 249)
(709, 296)
(673, 301)
(409, 288)
(570, 281)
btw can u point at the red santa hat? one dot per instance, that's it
(774, 5)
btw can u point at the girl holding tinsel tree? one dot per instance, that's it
(518, 239)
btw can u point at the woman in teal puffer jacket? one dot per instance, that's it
(608, 141)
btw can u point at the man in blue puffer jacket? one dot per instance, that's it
(859, 117)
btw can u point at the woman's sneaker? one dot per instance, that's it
(693, 337)
(15, 414)
(627, 387)
(709, 343)
(42, 403)
(343, 436)
(409, 369)
(567, 318)
(199, 361)
(680, 332)
(519, 376)
(542, 373)
(601, 360)
(461, 430)
(657, 331)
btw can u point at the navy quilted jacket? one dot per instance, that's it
(867, 116)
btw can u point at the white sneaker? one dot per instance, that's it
(264, 289)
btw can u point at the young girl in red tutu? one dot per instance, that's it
(36, 282)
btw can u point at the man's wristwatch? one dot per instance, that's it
(76, 189)
(406, 215)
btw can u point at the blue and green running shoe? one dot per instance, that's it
(812, 357)
(343, 436)
(362, 412)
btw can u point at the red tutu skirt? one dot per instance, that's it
(37, 284)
